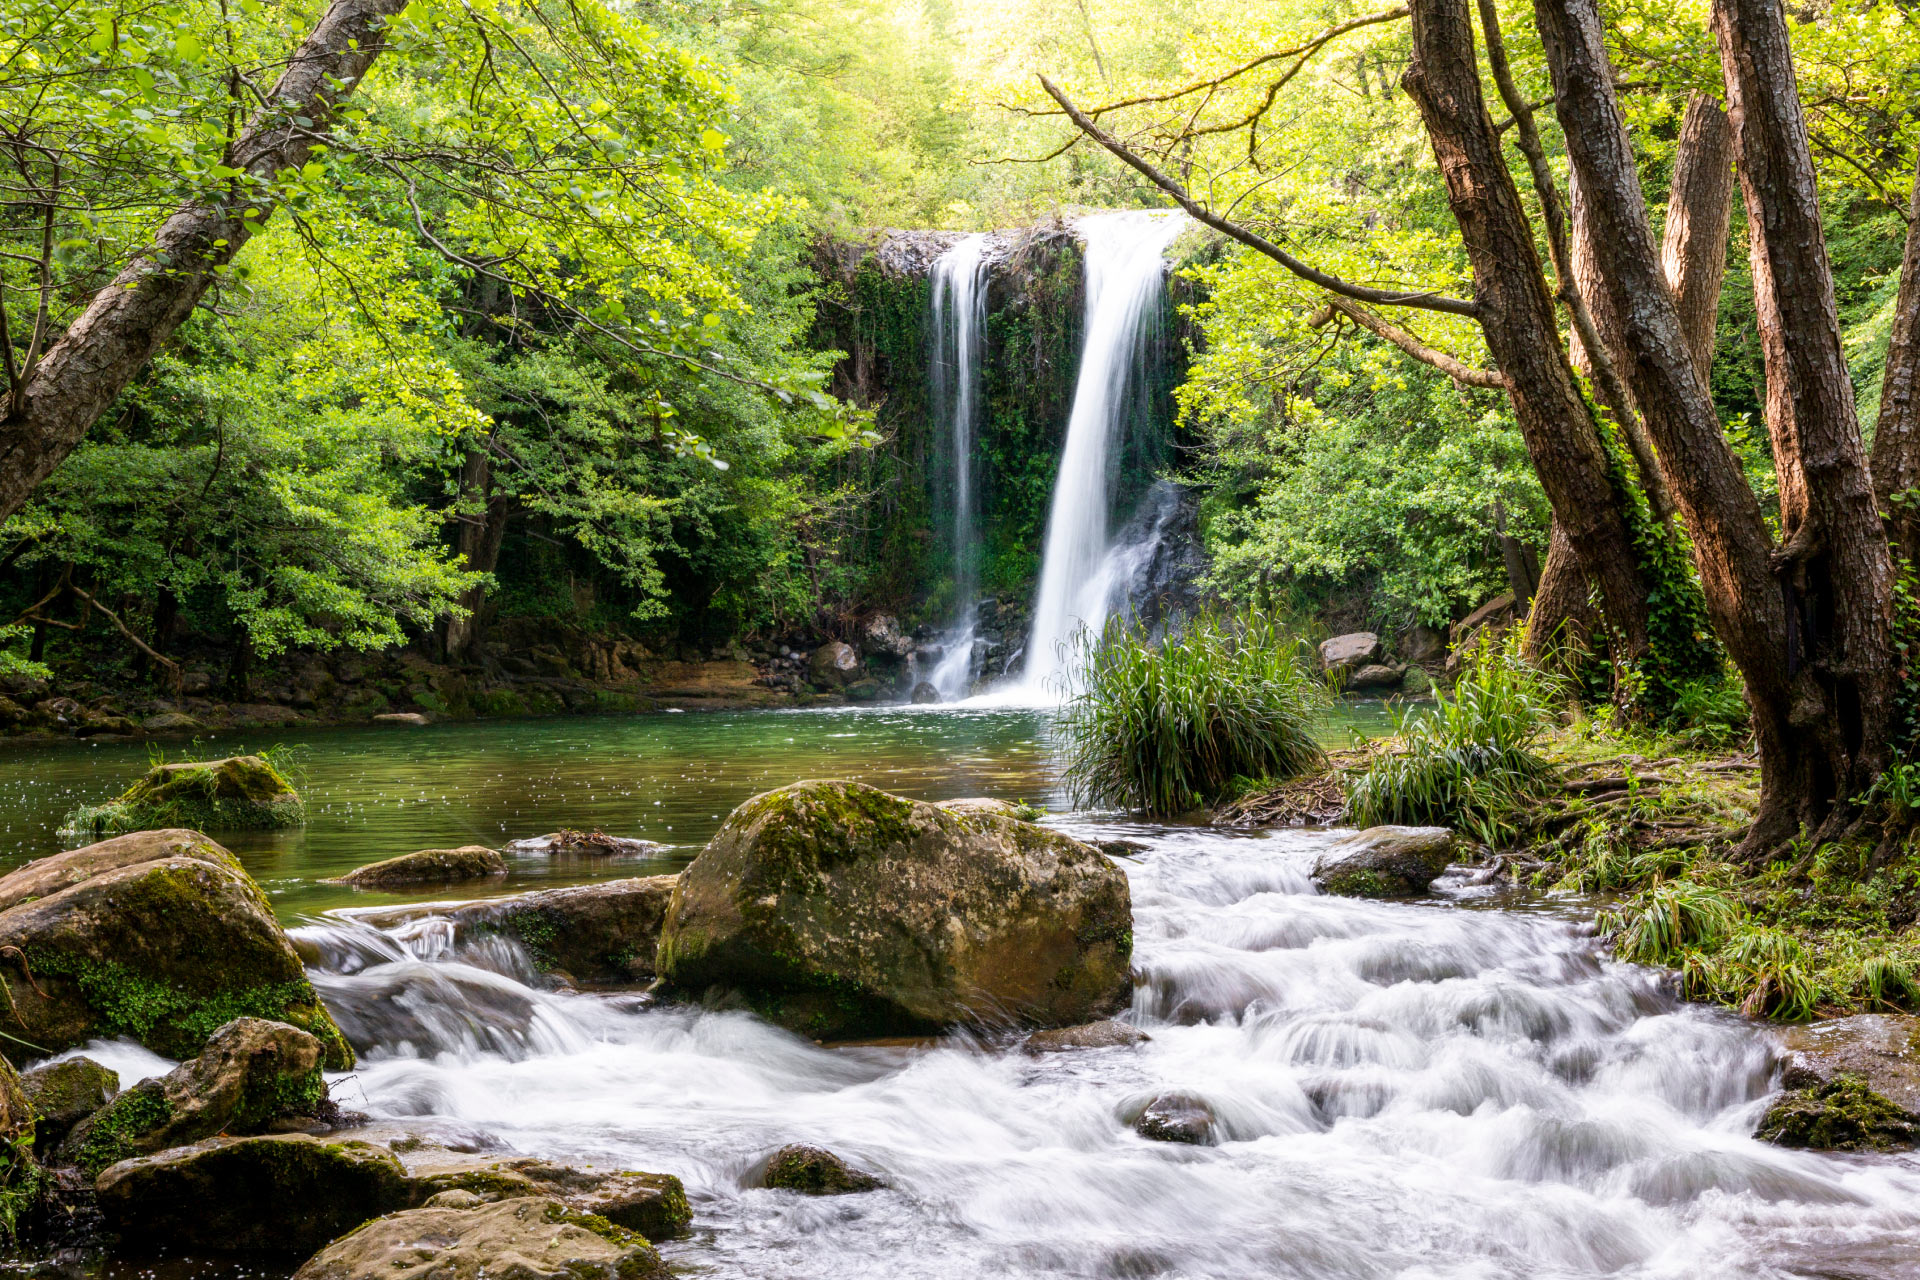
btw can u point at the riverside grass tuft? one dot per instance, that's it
(1469, 759)
(1162, 726)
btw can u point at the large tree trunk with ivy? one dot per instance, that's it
(1896, 437)
(126, 323)
(1516, 313)
(1817, 721)
(1693, 257)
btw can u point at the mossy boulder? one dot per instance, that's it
(815, 1172)
(1881, 1048)
(161, 938)
(1385, 862)
(653, 1204)
(1842, 1114)
(252, 1074)
(520, 1239)
(840, 910)
(280, 1194)
(64, 1093)
(240, 793)
(428, 867)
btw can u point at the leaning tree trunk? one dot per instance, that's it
(1835, 564)
(103, 350)
(1896, 440)
(1516, 313)
(1693, 257)
(1809, 717)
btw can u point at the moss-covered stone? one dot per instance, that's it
(62, 1094)
(1842, 1114)
(285, 1194)
(164, 951)
(653, 1204)
(429, 866)
(1385, 862)
(252, 1074)
(815, 1172)
(528, 1239)
(840, 910)
(239, 793)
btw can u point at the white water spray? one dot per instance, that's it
(1124, 281)
(958, 281)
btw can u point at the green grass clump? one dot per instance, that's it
(1469, 759)
(1163, 726)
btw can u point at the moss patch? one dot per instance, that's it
(1840, 1115)
(240, 793)
(110, 1136)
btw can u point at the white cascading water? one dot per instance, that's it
(1125, 277)
(959, 336)
(1401, 1091)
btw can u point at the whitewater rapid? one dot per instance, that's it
(1414, 1090)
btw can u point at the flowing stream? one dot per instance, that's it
(1125, 279)
(1459, 1088)
(958, 288)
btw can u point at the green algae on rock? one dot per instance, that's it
(429, 866)
(1385, 862)
(532, 1238)
(63, 1094)
(160, 937)
(653, 1204)
(239, 793)
(1842, 1114)
(815, 1172)
(838, 910)
(252, 1073)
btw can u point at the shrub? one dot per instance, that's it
(1162, 726)
(1468, 759)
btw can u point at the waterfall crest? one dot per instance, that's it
(1125, 279)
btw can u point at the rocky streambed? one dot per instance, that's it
(1252, 1077)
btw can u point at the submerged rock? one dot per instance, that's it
(1104, 1034)
(240, 793)
(815, 1172)
(1385, 862)
(523, 1239)
(1842, 1114)
(653, 1204)
(414, 719)
(429, 866)
(1175, 1117)
(567, 842)
(63, 1094)
(281, 1193)
(840, 910)
(252, 1073)
(158, 937)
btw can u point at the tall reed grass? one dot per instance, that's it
(1162, 725)
(1467, 759)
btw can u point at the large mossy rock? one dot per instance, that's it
(521, 1239)
(158, 936)
(278, 1194)
(429, 867)
(64, 1093)
(240, 793)
(1385, 862)
(653, 1204)
(252, 1073)
(839, 910)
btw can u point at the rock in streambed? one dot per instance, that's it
(429, 866)
(63, 1094)
(527, 1239)
(1851, 1084)
(1385, 862)
(239, 793)
(839, 910)
(815, 1172)
(158, 936)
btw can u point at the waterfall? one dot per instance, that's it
(1124, 282)
(959, 334)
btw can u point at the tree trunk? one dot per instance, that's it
(1814, 714)
(127, 321)
(1693, 253)
(478, 542)
(1516, 313)
(1561, 623)
(1896, 440)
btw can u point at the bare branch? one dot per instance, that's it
(1452, 366)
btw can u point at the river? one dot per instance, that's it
(1455, 1088)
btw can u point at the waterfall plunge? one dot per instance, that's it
(959, 333)
(1078, 572)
